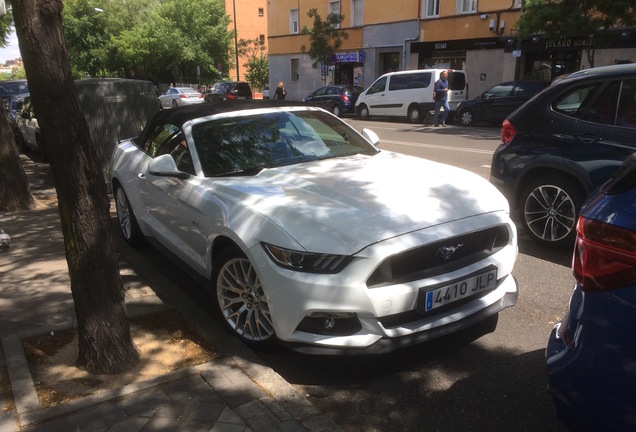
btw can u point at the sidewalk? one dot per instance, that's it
(234, 393)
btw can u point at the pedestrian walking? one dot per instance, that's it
(441, 99)
(280, 93)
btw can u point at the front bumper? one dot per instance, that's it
(294, 296)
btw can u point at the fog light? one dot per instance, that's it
(333, 324)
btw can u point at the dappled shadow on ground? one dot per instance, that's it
(446, 385)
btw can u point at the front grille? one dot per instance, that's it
(431, 260)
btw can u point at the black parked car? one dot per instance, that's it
(498, 102)
(339, 99)
(227, 91)
(562, 145)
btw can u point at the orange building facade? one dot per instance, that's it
(478, 36)
(250, 22)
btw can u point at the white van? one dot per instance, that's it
(410, 94)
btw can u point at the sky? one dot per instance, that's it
(11, 51)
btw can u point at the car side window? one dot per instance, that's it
(601, 107)
(398, 82)
(419, 80)
(627, 105)
(570, 102)
(378, 86)
(499, 90)
(158, 138)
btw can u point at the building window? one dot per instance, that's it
(466, 6)
(295, 69)
(261, 38)
(334, 8)
(517, 4)
(357, 13)
(430, 8)
(293, 21)
(261, 12)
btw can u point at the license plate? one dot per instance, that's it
(461, 289)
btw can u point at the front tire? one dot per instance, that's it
(550, 207)
(466, 118)
(128, 225)
(363, 112)
(240, 301)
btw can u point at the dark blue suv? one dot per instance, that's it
(564, 143)
(591, 353)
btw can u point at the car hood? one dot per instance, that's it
(342, 205)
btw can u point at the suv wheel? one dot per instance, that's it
(550, 207)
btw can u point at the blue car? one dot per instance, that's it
(591, 354)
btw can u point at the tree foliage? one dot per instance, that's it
(325, 37)
(257, 64)
(147, 39)
(584, 18)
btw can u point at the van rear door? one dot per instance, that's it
(457, 88)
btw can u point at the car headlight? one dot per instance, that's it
(307, 261)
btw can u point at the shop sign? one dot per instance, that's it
(350, 57)
(570, 43)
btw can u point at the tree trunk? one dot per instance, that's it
(105, 343)
(15, 193)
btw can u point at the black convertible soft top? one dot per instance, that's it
(180, 115)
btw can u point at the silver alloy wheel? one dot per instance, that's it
(549, 213)
(123, 213)
(242, 301)
(336, 110)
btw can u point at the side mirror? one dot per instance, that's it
(371, 136)
(165, 166)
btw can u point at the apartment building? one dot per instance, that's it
(478, 36)
(249, 18)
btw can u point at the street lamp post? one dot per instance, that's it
(236, 41)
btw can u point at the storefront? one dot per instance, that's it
(346, 68)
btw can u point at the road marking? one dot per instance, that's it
(464, 149)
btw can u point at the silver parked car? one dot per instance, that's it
(179, 96)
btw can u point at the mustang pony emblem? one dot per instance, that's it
(445, 252)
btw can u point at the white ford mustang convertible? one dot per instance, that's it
(307, 234)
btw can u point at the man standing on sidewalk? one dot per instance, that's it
(441, 99)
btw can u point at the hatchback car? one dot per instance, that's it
(339, 99)
(498, 102)
(180, 96)
(591, 354)
(306, 233)
(563, 144)
(228, 91)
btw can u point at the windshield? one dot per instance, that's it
(8, 88)
(245, 143)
